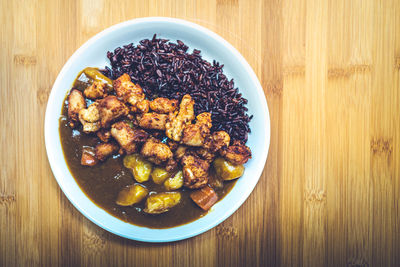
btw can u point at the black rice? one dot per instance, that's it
(166, 69)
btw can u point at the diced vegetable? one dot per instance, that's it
(159, 175)
(175, 182)
(140, 167)
(131, 194)
(162, 202)
(88, 156)
(96, 75)
(227, 170)
(205, 197)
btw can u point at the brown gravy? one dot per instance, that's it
(102, 182)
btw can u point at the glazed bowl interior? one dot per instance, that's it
(93, 54)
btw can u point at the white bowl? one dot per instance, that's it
(93, 54)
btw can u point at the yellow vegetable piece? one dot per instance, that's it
(159, 175)
(140, 167)
(175, 182)
(162, 202)
(227, 170)
(96, 75)
(131, 194)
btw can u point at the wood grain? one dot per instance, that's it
(330, 191)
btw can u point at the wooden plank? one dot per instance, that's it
(330, 192)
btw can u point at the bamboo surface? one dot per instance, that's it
(330, 191)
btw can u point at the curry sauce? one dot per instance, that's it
(103, 182)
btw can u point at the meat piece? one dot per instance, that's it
(88, 156)
(152, 121)
(205, 154)
(141, 107)
(172, 144)
(155, 151)
(216, 141)
(171, 165)
(76, 102)
(178, 120)
(164, 105)
(103, 150)
(104, 135)
(205, 197)
(195, 134)
(111, 108)
(180, 152)
(237, 153)
(195, 171)
(90, 118)
(95, 90)
(127, 137)
(127, 90)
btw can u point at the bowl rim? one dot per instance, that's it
(54, 165)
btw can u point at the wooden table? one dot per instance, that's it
(330, 191)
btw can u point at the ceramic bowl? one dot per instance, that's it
(93, 54)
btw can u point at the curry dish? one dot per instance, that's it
(149, 162)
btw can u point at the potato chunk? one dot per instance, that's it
(175, 182)
(140, 167)
(227, 170)
(159, 175)
(162, 202)
(131, 194)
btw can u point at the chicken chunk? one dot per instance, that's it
(180, 152)
(141, 107)
(237, 153)
(90, 118)
(178, 120)
(171, 165)
(164, 105)
(155, 151)
(195, 134)
(76, 102)
(104, 150)
(205, 154)
(152, 121)
(172, 145)
(104, 135)
(195, 171)
(95, 90)
(216, 141)
(127, 137)
(127, 90)
(111, 108)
